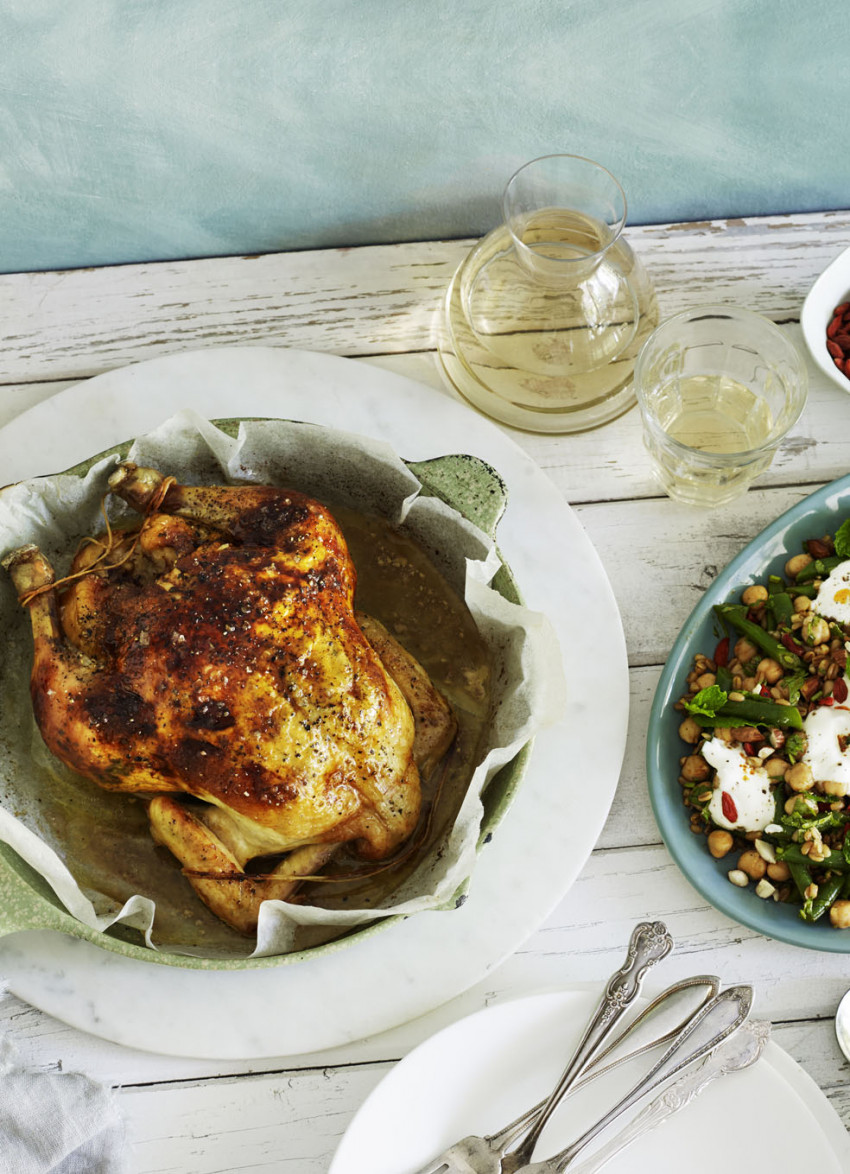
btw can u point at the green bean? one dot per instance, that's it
(793, 855)
(818, 568)
(723, 679)
(751, 712)
(783, 609)
(801, 876)
(828, 891)
(807, 589)
(736, 615)
(779, 809)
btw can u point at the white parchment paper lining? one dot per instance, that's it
(528, 686)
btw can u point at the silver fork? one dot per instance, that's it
(711, 1025)
(649, 943)
(736, 1054)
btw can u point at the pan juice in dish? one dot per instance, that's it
(210, 663)
(765, 722)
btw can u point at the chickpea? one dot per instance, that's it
(779, 871)
(834, 788)
(744, 650)
(802, 604)
(719, 843)
(754, 594)
(752, 864)
(695, 769)
(799, 777)
(705, 680)
(750, 684)
(796, 564)
(814, 630)
(839, 914)
(769, 670)
(776, 768)
(689, 731)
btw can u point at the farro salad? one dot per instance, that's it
(766, 720)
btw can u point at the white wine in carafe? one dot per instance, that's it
(544, 334)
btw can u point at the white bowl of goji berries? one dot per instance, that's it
(826, 332)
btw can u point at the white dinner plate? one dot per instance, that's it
(415, 965)
(483, 1071)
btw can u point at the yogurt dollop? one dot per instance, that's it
(747, 787)
(828, 752)
(833, 597)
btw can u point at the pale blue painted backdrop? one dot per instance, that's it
(151, 129)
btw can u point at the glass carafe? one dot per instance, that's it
(545, 317)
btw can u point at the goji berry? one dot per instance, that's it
(727, 804)
(791, 644)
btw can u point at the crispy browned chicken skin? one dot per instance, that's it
(222, 658)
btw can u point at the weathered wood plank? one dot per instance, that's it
(609, 464)
(660, 556)
(361, 301)
(295, 1121)
(289, 1123)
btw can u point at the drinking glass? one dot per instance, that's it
(545, 317)
(719, 387)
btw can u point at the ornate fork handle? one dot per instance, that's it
(740, 1052)
(649, 943)
(715, 1022)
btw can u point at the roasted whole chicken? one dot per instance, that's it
(211, 658)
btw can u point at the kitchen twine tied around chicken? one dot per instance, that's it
(56, 1122)
(112, 541)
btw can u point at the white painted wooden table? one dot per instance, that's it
(379, 305)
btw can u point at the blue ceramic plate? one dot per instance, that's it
(821, 513)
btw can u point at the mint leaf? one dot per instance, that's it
(842, 539)
(795, 746)
(809, 818)
(794, 683)
(805, 809)
(707, 701)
